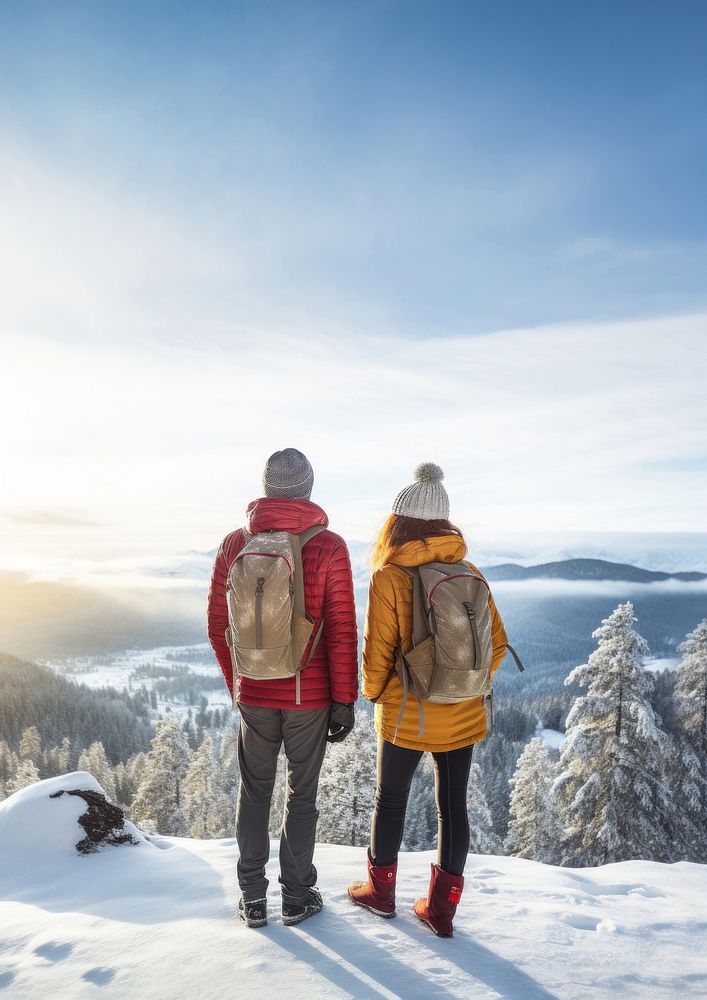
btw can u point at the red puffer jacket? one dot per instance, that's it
(332, 673)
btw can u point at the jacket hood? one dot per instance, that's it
(436, 548)
(281, 514)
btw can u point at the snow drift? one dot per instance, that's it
(156, 919)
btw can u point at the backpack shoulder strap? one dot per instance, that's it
(246, 538)
(515, 656)
(420, 623)
(298, 543)
(304, 536)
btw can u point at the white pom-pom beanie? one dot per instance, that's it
(426, 498)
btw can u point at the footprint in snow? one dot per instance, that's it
(54, 951)
(567, 898)
(99, 976)
(646, 891)
(581, 921)
(157, 841)
(6, 977)
(616, 888)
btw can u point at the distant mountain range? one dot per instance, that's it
(196, 565)
(586, 569)
(549, 624)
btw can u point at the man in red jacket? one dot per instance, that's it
(269, 710)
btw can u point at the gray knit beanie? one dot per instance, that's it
(426, 498)
(288, 474)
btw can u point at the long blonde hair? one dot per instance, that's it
(399, 529)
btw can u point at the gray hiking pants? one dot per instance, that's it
(262, 732)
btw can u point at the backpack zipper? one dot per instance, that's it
(259, 612)
(471, 614)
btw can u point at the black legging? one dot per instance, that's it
(396, 767)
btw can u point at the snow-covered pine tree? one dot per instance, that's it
(497, 757)
(483, 840)
(362, 784)
(277, 802)
(95, 761)
(615, 803)
(200, 791)
(227, 784)
(347, 789)
(421, 815)
(57, 759)
(690, 714)
(120, 781)
(26, 774)
(31, 746)
(222, 821)
(160, 794)
(534, 830)
(127, 780)
(9, 762)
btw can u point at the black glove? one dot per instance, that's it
(341, 721)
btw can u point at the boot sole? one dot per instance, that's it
(253, 923)
(433, 929)
(371, 909)
(291, 921)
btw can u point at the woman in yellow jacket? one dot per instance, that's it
(417, 532)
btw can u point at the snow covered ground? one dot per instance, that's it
(119, 669)
(122, 670)
(657, 663)
(552, 737)
(156, 921)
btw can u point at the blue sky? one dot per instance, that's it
(429, 166)
(193, 190)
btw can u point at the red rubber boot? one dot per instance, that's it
(438, 910)
(378, 893)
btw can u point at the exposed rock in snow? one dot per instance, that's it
(103, 821)
(61, 816)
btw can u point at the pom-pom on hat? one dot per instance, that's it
(426, 498)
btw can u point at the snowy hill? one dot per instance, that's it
(155, 920)
(586, 569)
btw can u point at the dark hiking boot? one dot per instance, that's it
(437, 911)
(378, 893)
(294, 911)
(253, 912)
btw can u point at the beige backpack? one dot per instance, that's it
(269, 630)
(450, 658)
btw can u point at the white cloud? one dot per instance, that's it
(136, 390)
(619, 589)
(545, 429)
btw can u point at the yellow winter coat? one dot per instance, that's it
(388, 626)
